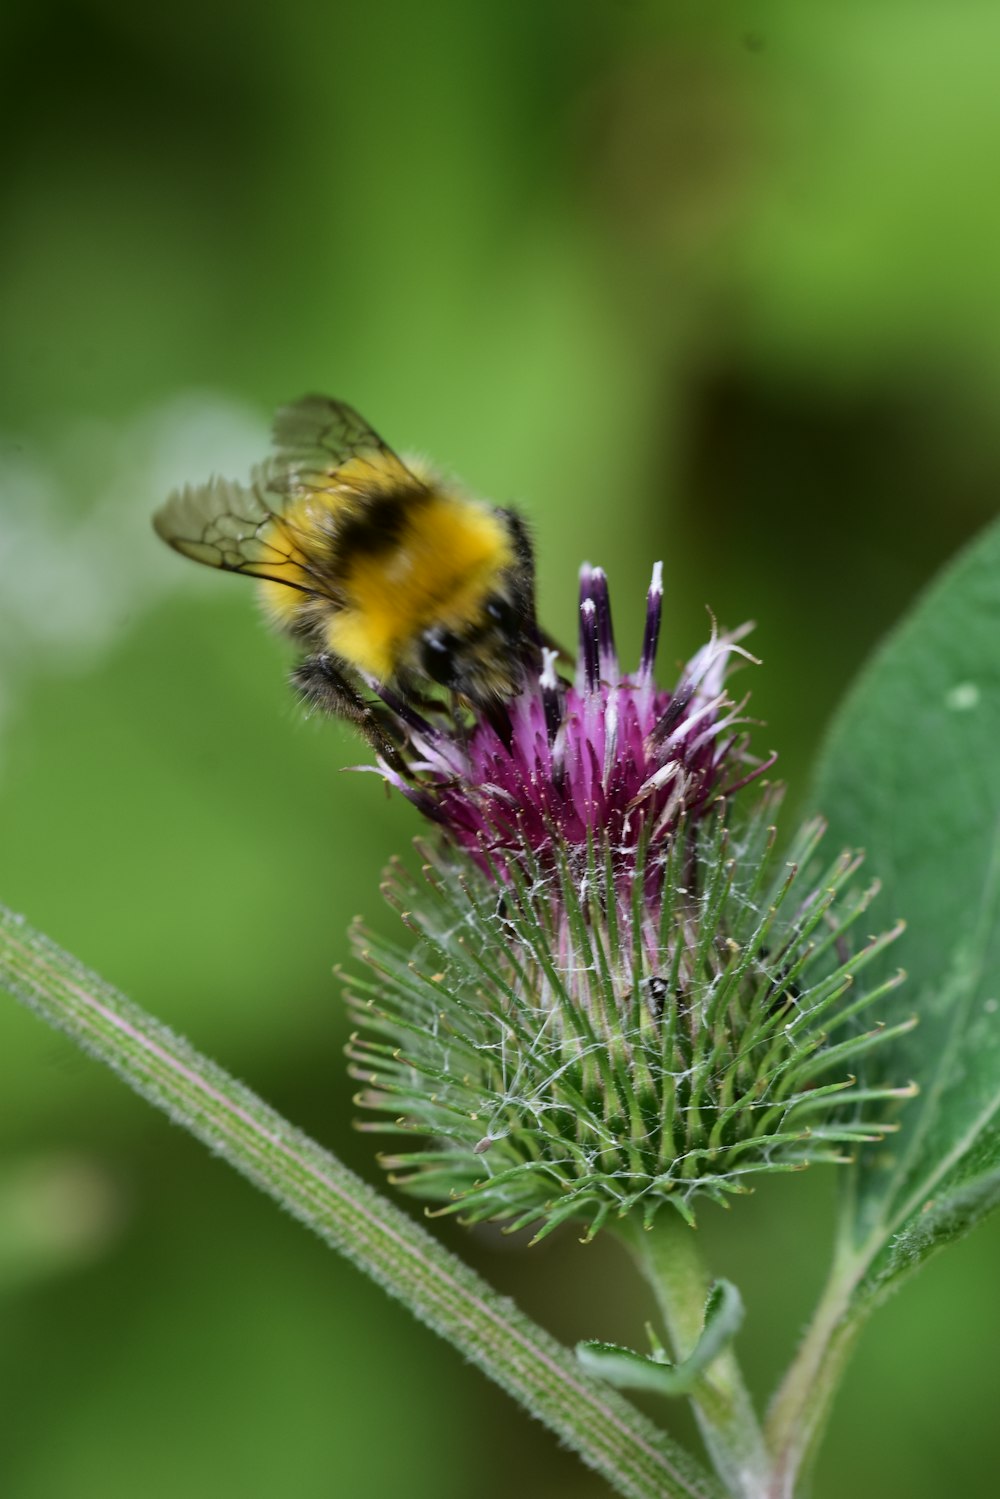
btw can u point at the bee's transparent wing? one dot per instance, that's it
(319, 440)
(233, 527)
(323, 447)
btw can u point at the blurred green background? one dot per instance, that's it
(713, 282)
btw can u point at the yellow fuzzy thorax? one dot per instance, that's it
(449, 555)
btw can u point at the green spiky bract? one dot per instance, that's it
(579, 1034)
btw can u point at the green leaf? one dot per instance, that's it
(628, 1370)
(911, 773)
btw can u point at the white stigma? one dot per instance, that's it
(548, 679)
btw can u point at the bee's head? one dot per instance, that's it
(484, 661)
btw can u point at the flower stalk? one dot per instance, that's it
(669, 1257)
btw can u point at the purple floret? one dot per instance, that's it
(609, 757)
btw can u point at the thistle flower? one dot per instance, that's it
(618, 997)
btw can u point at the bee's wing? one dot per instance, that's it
(233, 526)
(323, 446)
(319, 439)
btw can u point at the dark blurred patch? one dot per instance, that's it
(670, 143)
(851, 496)
(97, 65)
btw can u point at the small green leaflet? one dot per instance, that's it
(628, 1370)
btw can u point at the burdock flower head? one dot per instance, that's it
(619, 996)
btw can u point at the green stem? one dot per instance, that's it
(801, 1407)
(669, 1256)
(604, 1429)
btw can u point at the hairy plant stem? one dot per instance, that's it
(669, 1256)
(608, 1433)
(801, 1406)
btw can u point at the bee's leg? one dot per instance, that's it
(525, 574)
(534, 636)
(521, 537)
(323, 684)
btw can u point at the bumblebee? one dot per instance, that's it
(385, 574)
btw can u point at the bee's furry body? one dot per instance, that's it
(380, 569)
